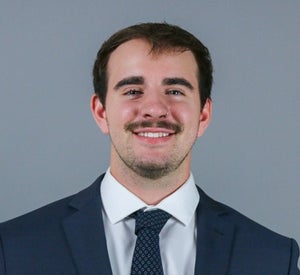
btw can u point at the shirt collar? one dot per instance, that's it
(119, 202)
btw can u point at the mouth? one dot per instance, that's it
(148, 129)
(153, 134)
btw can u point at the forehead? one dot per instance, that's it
(136, 57)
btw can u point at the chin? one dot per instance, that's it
(152, 171)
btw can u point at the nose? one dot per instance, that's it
(154, 107)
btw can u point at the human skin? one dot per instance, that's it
(153, 116)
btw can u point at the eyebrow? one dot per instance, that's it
(132, 80)
(178, 81)
(139, 80)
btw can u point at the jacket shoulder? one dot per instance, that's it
(40, 237)
(46, 217)
(254, 246)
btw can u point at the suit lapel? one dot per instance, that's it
(85, 233)
(214, 238)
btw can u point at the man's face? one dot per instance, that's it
(152, 110)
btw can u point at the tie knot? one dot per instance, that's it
(153, 220)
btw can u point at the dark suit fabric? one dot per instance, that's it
(67, 237)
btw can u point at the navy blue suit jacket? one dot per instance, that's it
(67, 237)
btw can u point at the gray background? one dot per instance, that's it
(50, 146)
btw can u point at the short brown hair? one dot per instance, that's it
(162, 37)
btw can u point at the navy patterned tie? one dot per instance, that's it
(146, 258)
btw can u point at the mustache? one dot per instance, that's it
(177, 128)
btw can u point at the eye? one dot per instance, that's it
(175, 92)
(133, 92)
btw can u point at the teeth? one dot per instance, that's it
(153, 135)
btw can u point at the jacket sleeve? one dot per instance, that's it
(294, 270)
(2, 265)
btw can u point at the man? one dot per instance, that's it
(152, 96)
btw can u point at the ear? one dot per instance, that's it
(205, 117)
(99, 113)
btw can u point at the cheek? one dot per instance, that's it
(187, 114)
(120, 113)
(126, 112)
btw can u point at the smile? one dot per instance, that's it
(153, 135)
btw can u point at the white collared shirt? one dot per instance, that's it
(177, 238)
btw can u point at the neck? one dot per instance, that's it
(149, 190)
